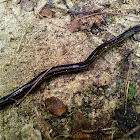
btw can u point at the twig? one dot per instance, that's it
(90, 13)
(127, 83)
(18, 48)
(65, 2)
(49, 69)
(126, 96)
(75, 12)
(132, 131)
(131, 9)
(30, 23)
(108, 12)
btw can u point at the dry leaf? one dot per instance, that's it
(55, 106)
(46, 12)
(85, 22)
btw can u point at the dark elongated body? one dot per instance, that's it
(68, 68)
